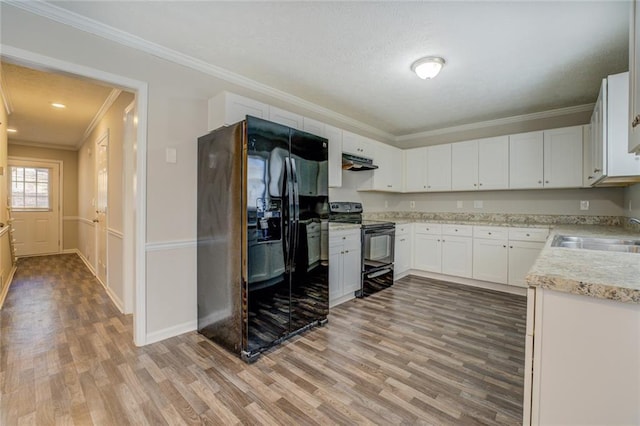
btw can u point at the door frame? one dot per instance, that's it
(60, 164)
(139, 215)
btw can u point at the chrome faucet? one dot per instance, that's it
(635, 221)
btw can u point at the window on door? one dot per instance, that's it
(30, 188)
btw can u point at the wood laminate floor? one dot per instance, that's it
(421, 352)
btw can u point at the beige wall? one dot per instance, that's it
(69, 185)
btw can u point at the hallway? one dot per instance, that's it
(422, 352)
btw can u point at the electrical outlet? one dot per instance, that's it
(412, 204)
(477, 204)
(459, 204)
(584, 205)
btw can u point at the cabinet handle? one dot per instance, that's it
(596, 170)
(428, 186)
(504, 246)
(510, 246)
(475, 184)
(489, 233)
(341, 252)
(589, 177)
(546, 181)
(528, 235)
(389, 186)
(346, 251)
(635, 121)
(480, 184)
(539, 181)
(456, 230)
(344, 238)
(424, 186)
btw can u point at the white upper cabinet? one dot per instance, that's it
(439, 168)
(314, 127)
(228, 108)
(563, 157)
(633, 122)
(493, 163)
(357, 145)
(415, 170)
(599, 135)
(619, 161)
(285, 118)
(388, 175)
(526, 160)
(464, 166)
(334, 135)
(480, 165)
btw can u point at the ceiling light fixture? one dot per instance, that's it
(58, 105)
(428, 68)
(12, 131)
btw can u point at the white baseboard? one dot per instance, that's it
(114, 297)
(520, 291)
(173, 331)
(6, 285)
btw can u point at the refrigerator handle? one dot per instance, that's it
(296, 211)
(289, 231)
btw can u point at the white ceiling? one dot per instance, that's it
(503, 58)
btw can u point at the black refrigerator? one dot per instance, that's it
(262, 198)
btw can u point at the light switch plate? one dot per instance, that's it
(584, 205)
(459, 204)
(412, 204)
(477, 204)
(171, 155)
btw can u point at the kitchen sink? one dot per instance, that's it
(602, 244)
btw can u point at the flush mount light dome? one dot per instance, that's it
(428, 68)
(58, 105)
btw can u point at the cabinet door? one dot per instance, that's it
(357, 145)
(402, 251)
(619, 161)
(228, 108)
(388, 175)
(312, 126)
(598, 135)
(526, 160)
(439, 168)
(493, 163)
(427, 253)
(334, 135)
(464, 166)
(490, 260)
(457, 256)
(351, 266)
(522, 255)
(415, 169)
(563, 157)
(634, 77)
(336, 284)
(285, 118)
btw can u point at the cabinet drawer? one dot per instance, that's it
(462, 230)
(490, 232)
(403, 229)
(344, 235)
(427, 228)
(528, 234)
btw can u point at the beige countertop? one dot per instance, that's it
(594, 273)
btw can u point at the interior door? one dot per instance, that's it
(34, 191)
(101, 203)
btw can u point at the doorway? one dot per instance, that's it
(135, 185)
(34, 196)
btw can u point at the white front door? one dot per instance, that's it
(101, 201)
(34, 192)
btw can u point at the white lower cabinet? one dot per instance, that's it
(402, 251)
(581, 360)
(445, 249)
(490, 260)
(344, 265)
(522, 255)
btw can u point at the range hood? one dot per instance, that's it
(356, 163)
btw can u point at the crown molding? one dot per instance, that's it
(113, 95)
(66, 17)
(558, 112)
(42, 145)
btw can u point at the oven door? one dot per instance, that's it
(377, 247)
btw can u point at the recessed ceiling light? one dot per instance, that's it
(428, 68)
(12, 131)
(58, 105)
